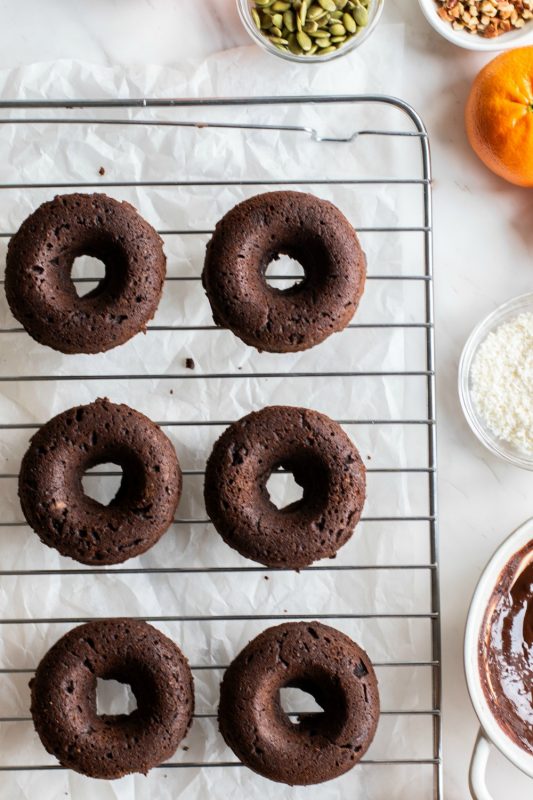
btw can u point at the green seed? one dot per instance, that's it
(263, 3)
(278, 40)
(327, 5)
(256, 18)
(336, 15)
(337, 39)
(281, 5)
(294, 47)
(275, 31)
(349, 23)
(312, 51)
(310, 27)
(314, 12)
(322, 42)
(289, 21)
(277, 20)
(361, 16)
(337, 29)
(303, 40)
(340, 4)
(321, 34)
(328, 50)
(302, 14)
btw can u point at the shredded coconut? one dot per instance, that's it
(502, 381)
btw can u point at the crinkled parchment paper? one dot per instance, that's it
(49, 153)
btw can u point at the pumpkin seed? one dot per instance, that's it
(281, 5)
(256, 18)
(310, 27)
(302, 14)
(278, 40)
(303, 40)
(327, 5)
(337, 29)
(294, 47)
(328, 50)
(349, 23)
(289, 21)
(361, 16)
(263, 3)
(314, 12)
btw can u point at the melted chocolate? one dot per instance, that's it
(506, 649)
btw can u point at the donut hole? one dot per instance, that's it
(114, 698)
(296, 703)
(300, 480)
(87, 273)
(104, 261)
(314, 703)
(104, 483)
(283, 490)
(114, 477)
(284, 273)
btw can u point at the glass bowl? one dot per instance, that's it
(499, 447)
(375, 9)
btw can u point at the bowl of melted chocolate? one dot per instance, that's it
(498, 655)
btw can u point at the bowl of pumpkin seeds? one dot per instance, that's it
(309, 30)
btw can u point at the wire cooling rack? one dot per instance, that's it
(365, 135)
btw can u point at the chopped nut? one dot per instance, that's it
(487, 18)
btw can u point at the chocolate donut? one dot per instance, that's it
(63, 698)
(323, 461)
(315, 747)
(51, 492)
(39, 287)
(254, 233)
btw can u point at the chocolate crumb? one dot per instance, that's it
(185, 747)
(189, 363)
(101, 171)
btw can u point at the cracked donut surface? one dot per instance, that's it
(51, 491)
(64, 705)
(312, 747)
(256, 232)
(324, 462)
(39, 286)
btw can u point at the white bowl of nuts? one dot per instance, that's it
(484, 25)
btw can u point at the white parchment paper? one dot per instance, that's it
(50, 153)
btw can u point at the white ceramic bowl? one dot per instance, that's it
(470, 41)
(490, 731)
(505, 313)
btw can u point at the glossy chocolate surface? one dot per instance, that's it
(506, 649)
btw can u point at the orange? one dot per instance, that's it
(499, 116)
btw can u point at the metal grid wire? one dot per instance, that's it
(112, 113)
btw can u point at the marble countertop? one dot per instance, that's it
(483, 244)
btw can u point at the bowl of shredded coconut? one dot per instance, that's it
(496, 381)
